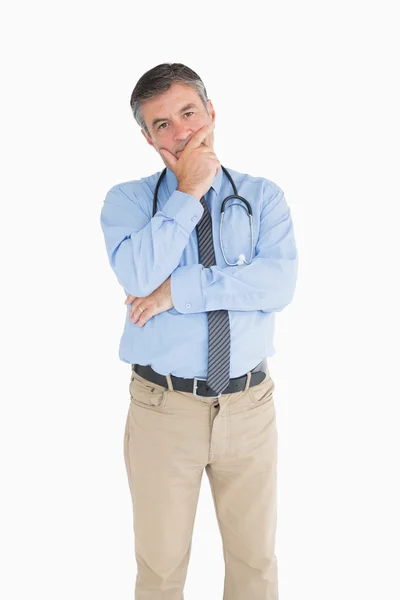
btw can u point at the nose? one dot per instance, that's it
(181, 132)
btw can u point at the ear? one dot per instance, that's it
(148, 139)
(211, 110)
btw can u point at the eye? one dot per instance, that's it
(161, 126)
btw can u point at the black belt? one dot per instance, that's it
(199, 387)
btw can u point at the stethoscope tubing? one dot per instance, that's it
(234, 195)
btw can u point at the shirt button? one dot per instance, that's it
(194, 219)
(188, 305)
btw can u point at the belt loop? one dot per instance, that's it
(247, 381)
(169, 382)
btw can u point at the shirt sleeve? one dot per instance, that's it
(143, 251)
(267, 283)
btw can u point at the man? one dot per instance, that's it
(199, 326)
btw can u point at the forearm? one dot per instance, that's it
(144, 253)
(266, 284)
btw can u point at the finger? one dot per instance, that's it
(129, 299)
(138, 312)
(135, 316)
(209, 140)
(144, 317)
(168, 158)
(135, 307)
(142, 321)
(205, 150)
(198, 138)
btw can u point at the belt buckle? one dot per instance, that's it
(195, 380)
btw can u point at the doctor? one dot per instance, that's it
(197, 335)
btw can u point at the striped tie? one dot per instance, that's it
(219, 337)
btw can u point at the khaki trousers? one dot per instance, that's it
(170, 437)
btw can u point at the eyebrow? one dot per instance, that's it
(186, 107)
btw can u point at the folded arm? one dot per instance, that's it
(267, 284)
(143, 252)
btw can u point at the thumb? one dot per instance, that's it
(168, 158)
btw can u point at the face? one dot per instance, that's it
(174, 116)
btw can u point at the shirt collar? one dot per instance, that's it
(172, 182)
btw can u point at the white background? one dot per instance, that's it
(305, 95)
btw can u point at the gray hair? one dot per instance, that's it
(157, 81)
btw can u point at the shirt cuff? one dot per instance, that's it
(184, 209)
(186, 292)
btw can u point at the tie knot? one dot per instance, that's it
(203, 202)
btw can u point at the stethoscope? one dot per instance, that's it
(242, 259)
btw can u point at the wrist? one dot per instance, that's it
(191, 191)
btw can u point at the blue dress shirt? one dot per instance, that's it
(144, 251)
